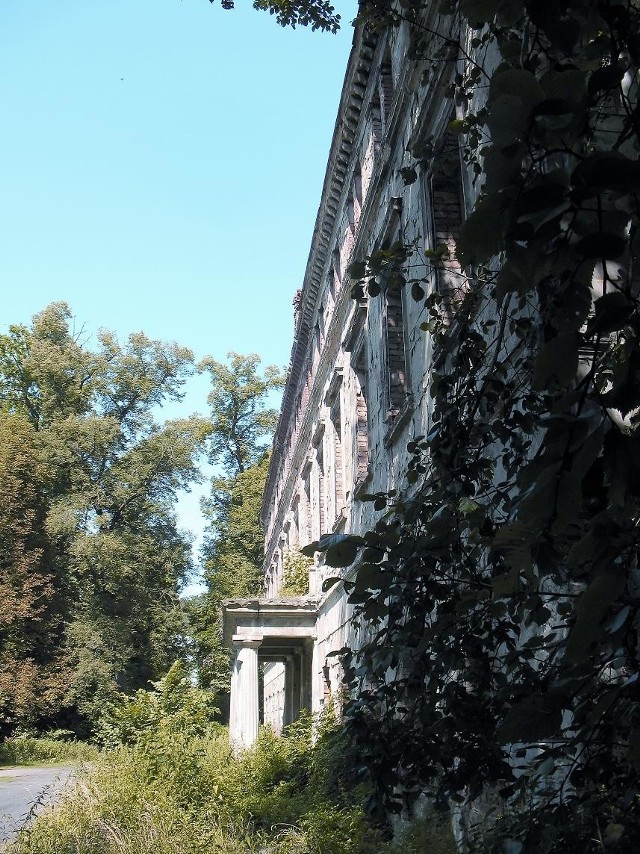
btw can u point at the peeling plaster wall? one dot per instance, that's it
(341, 353)
(274, 695)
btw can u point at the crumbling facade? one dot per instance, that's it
(357, 388)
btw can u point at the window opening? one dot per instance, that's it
(396, 350)
(394, 319)
(306, 533)
(338, 473)
(447, 207)
(361, 449)
(385, 89)
(321, 488)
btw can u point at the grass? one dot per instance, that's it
(110, 810)
(32, 750)
(186, 795)
(167, 783)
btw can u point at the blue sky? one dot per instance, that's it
(162, 162)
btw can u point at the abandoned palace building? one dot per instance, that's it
(357, 388)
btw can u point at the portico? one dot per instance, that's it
(280, 634)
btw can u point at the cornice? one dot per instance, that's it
(365, 52)
(339, 325)
(344, 134)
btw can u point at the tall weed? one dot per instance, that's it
(121, 805)
(170, 785)
(38, 750)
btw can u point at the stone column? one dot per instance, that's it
(243, 720)
(306, 692)
(296, 688)
(317, 695)
(288, 716)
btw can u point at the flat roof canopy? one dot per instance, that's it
(271, 621)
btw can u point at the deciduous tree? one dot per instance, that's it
(234, 543)
(318, 14)
(102, 476)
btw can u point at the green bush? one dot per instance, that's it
(298, 794)
(432, 833)
(174, 708)
(117, 807)
(170, 784)
(295, 575)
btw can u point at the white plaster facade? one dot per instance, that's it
(357, 388)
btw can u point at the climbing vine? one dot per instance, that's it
(499, 594)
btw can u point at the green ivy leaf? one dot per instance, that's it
(482, 235)
(532, 719)
(372, 576)
(507, 584)
(567, 83)
(417, 291)
(508, 121)
(467, 506)
(605, 79)
(409, 176)
(357, 269)
(516, 82)
(340, 549)
(310, 549)
(607, 170)
(612, 311)
(373, 288)
(594, 604)
(480, 12)
(557, 362)
(622, 465)
(633, 754)
(602, 244)
(613, 833)
(457, 126)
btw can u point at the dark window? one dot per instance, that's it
(447, 208)
(361, 449)
(321, 489)
(396, 350)
(385, 89)
(338, 471)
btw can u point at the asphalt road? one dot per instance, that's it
(22, 788)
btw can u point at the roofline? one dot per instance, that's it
(349, 111)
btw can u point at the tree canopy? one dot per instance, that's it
(317, 14)
(92, 560)
(233, 549)
(240, 421)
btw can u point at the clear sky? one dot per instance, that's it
(161, 163)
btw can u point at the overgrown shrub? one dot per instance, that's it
(174, 708)
(169, 784)
(119, 808)
(295, 574)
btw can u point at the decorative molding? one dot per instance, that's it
(349, 114)
(400, 419)
(334, 386)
